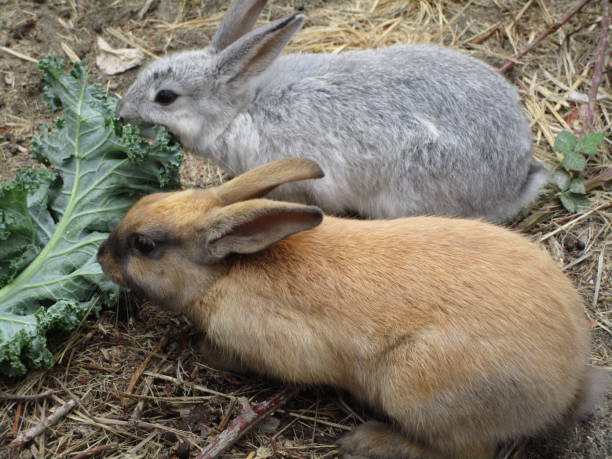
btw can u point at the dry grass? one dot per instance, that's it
(180, 401)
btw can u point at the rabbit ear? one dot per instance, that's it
(254, 52)
(238, 20)
(263, 179)
(251, 226)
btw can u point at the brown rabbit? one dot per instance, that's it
(462, 333)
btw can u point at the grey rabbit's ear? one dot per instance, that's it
(239, 19)
(254, 52)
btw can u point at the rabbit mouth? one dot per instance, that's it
(147, 130)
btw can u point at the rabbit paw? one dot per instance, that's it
(375, 440)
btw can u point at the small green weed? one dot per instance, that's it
(569, 177)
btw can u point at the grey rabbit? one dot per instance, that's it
(403, 130)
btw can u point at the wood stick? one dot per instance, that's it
(600, 61)
(188, 384)
(25, 57)
(94, 451)
(248, 418)
(599, 179)
(570, 223)
(562, 220)
(145, 9)
(484, 37)
(117, 34)
(22, 398)
(17, 420)
(142, 367)
(551, 29)
(50, 420)
(321, 421)
(102, 422)
(137, 413)
(227, 415)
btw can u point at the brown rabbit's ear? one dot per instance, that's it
(251, 226)
(263, 179)
(239, 19)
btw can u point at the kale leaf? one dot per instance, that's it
(53, 220)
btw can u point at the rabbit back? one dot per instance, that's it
(455, 329)
(404, 130)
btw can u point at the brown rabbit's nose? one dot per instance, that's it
(102, 251)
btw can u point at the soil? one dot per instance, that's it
(114, 343)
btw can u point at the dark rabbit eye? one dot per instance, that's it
(165, 97)
(144, 245)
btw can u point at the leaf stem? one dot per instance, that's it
(21, 280)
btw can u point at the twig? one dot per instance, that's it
(18, 54)
(555, 223)
(551, 29)
(17, 421)
(137, 413)
(600, 263)
(72, 55)
(599, 179)
(532, 220)
(479, 40)
(117, 34)
(142, 367)
(349, 410)
(567, 225)
(105, 422)
(188, 384)
(248, 418)
(94, 451)
(576, 261)
(145, 9)
(600, 61)
(22, 398)
(193, 399)
(50, 420)
(72, 396)
(320, 421)
(227, 415)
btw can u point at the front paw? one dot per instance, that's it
(375, 440)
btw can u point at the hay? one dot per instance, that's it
(176, 404)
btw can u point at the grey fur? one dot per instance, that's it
(403, 130)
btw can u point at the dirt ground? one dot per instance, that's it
(180, 402)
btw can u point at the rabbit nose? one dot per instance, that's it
(120, 107)
(102, 251)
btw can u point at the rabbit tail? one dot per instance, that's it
(537, 176)
(536, 179)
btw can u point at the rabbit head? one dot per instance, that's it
(196, 94)
(145, 249)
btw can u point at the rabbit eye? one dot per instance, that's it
(144, 245)
(165, 97)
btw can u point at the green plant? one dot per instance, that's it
(52, 221)
(569, 178)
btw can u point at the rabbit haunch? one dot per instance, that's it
(403, 130)
(462, 333)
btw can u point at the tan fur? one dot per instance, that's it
(259, 181)
(463, 333)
